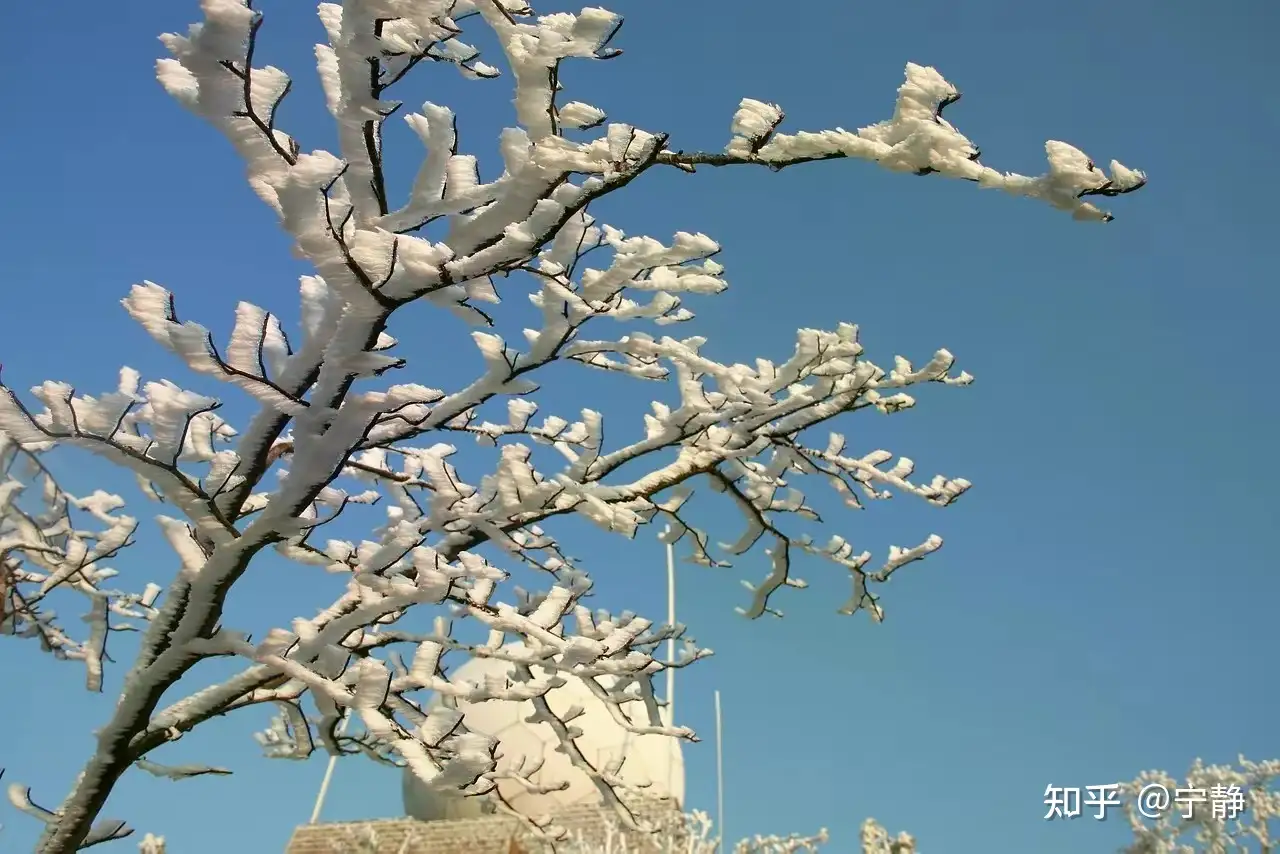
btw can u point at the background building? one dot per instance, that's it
(444, 822)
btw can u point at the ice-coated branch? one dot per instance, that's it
(336, 437)
(106, 830)
(686, 833)
(919, 141)
(43, 552)
(151, 844)
(1220, 808)
(876, 840)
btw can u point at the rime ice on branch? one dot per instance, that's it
(332, 430)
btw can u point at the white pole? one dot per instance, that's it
(719, 774)
(671, 656)
(328, 772)
(671, 651)
(671, 642)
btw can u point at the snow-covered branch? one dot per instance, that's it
(43, 550)
(919, 141)
(1218, 808)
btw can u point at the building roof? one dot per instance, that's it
(593, 826)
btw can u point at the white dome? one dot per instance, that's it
(652, 759)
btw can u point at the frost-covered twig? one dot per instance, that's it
(680, 833)
(365, 840)
(1221, 809)
(916, 140)
(876, 840)
(43, 550)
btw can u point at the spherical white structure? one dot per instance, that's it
(652, 759)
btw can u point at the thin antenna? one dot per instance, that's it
(328, 772)
(719, 774)
(671, 641)
(671, 651)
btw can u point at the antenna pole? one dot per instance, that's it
(328, 772)
(719, 774)
(671, 641)
(671, 649)
(671, 656)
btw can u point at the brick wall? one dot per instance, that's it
(485, 835)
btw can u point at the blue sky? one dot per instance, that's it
(1101, 604)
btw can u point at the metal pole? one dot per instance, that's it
(328, 772)
(719, 774)
(671, 656)
(671, 642)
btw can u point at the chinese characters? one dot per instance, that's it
(1153, 801)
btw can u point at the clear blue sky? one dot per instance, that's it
(1105, 600)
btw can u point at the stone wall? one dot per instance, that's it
(486, 835)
